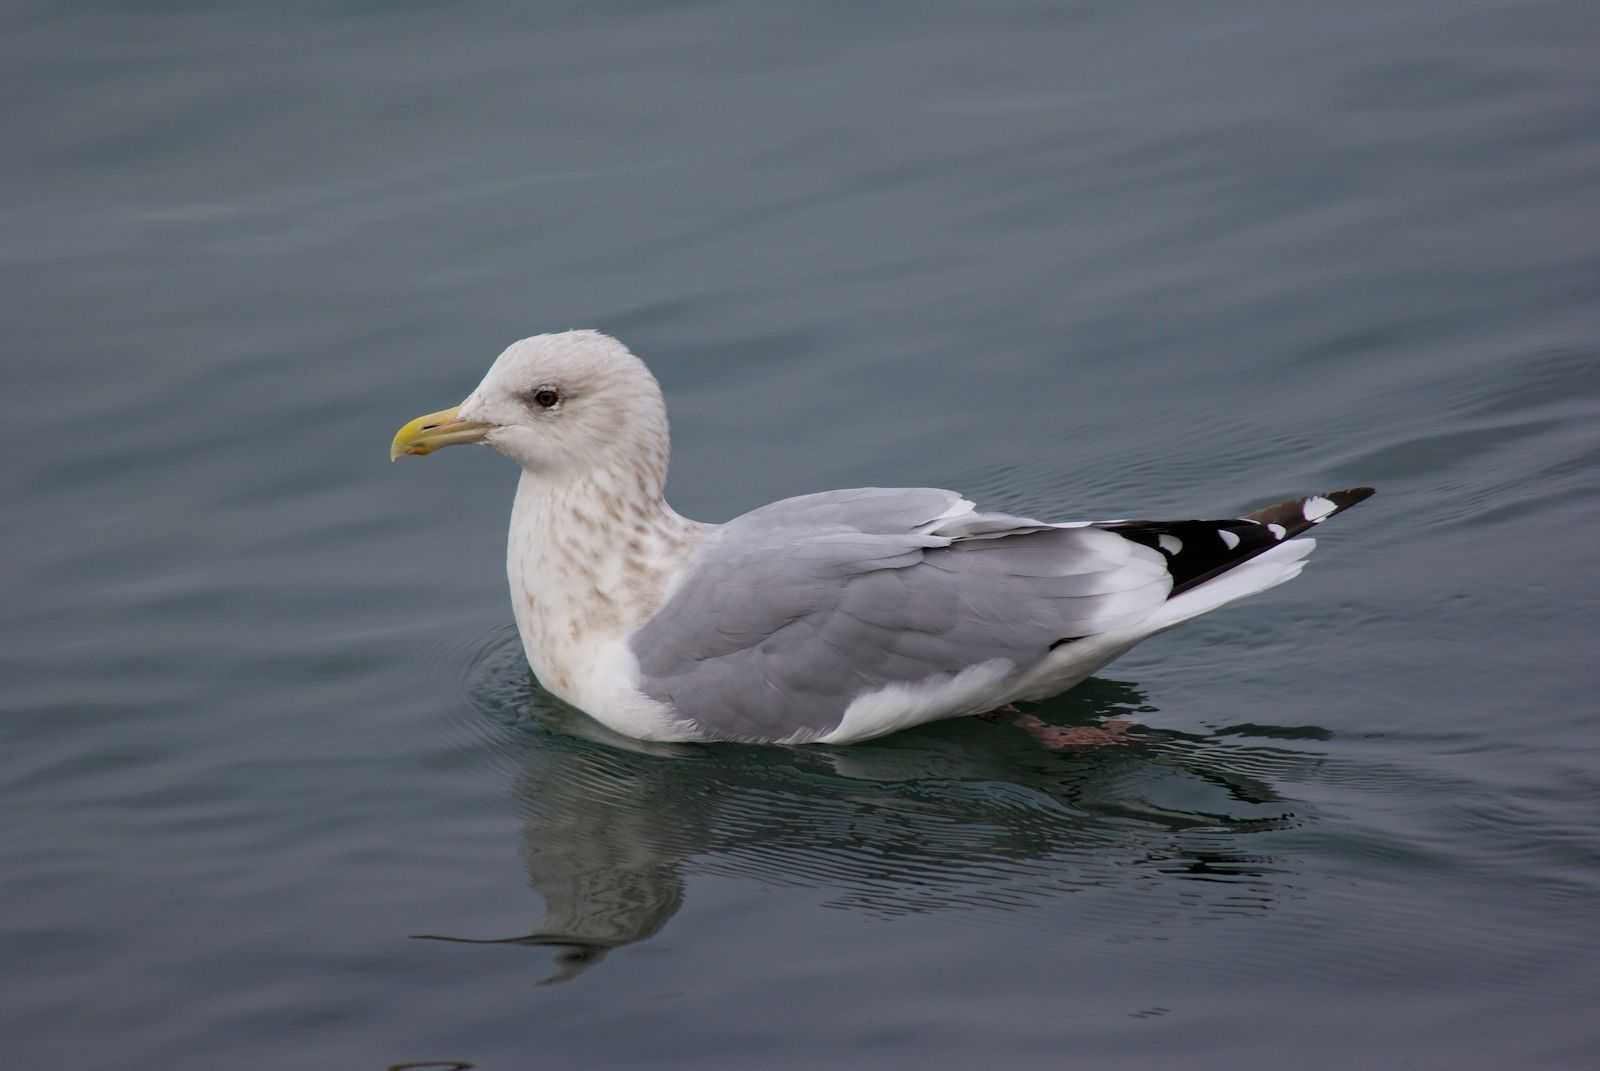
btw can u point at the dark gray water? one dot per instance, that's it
(264, 716)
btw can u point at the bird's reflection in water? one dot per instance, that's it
(962, 815)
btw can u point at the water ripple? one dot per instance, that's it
(957, 817)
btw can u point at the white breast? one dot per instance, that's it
(576, 595)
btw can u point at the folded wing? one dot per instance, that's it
(794, 610)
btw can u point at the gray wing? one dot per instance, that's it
(793, 610)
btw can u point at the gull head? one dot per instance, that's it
(562, 406)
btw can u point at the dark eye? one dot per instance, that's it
(547, 397)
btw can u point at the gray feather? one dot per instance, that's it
(792, 611)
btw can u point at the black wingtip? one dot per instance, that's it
(1350, 496)
(1299, 514)
(1198, 551)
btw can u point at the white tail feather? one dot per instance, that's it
(1276, 566)
(1073, 662)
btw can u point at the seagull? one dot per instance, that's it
(828, 618)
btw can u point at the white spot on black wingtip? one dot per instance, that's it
(1278, 531)
(1228, 538)
(1316, 508)
(1170, 543)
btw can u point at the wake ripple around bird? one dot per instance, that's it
(964, 816)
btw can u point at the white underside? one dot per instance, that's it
(900, 706)
(605, 690)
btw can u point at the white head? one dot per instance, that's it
(562, 406)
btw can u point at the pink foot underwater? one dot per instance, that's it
(1113, 732)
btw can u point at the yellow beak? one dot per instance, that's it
(428, 433)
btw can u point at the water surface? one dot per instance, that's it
(280, 790)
